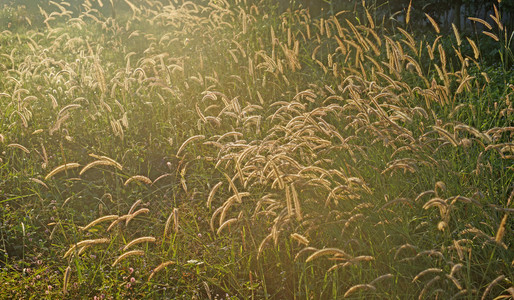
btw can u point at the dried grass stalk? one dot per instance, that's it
(328, 251)
(160, 267)
(359, 287)
(66, 280)
(491, 285)
(434, 23)
(139, 178)
(101, 219)
(61, 168)
(127, 254)
(148, 239)
(99, 163)
(22, 148)
(189, 140)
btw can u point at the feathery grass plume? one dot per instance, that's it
(289, 202)
(402, 247)
(434, 23)
(300, 239)
(234, 188)
(161, 177)
(445, 134)
(359, 287)
(380, 278)
(328, 251)
(103, 157)
(139, 178)
(443, 206)
(160, 267)
(501, 229)
(427, 286)
(168, 223)
(296, 201)
(131, 210)
(491, 35)
(212, 193)
(85, 243)
(117, 221)
(96, 163)
(175, 220)
(189, 140)
(407, 17)
(136, 213)
(476, 52)
(483, 22)
(457, 35)
(2, 138)
(61, 168)
(149, 239)
(370, 19)
(464, 84)
(66, 280)
(18, 146)
(429, 270)
(127, 254)
(66, 108)
(214, 215)
(455, 269)
(38, 181)
(455, 281)
(83, 249)
(263, 243)
(101, 219)
(225, 224)
(23, 118)
(45, 157)
(491, 285)
(496, 17)
(199, 113)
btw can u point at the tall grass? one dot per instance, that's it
(218, 149)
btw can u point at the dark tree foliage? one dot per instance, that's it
(447, 12)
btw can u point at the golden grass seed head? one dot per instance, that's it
(139, 178)
(159, 268)
(99, 220)
(127, 254)
(62, 168)
(147, 239)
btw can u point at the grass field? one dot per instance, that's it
(221, 150)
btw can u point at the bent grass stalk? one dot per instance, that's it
(61, 168)
(127, 254)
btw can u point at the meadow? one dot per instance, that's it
(220, 149)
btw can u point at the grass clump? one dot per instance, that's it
(220, 150)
